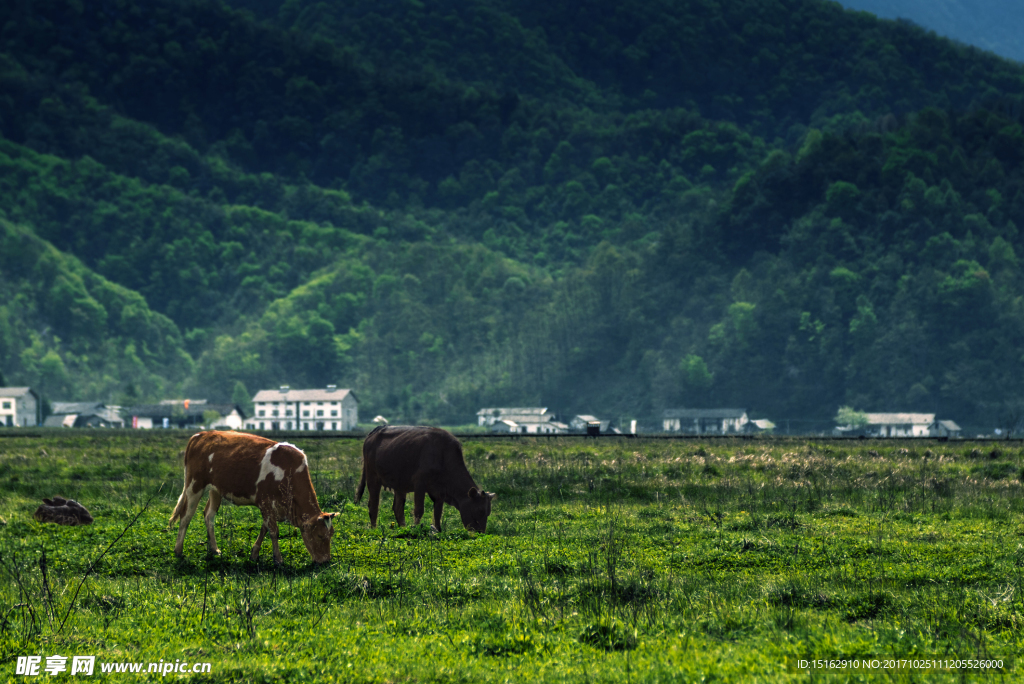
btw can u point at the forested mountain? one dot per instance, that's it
(995, 25)
(597, 206)
(69, 330)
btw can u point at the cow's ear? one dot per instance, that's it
(474, 493)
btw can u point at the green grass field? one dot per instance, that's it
(632, 560)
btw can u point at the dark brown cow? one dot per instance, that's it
(248, 470)
(424, 461)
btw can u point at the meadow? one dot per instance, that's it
(605, 560)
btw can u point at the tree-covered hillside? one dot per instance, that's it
(602, 207)
(71, 332)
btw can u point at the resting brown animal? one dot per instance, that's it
(424, 461)
(248, 470)
(63, 512)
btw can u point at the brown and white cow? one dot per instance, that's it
(249, 470)
(424, 461)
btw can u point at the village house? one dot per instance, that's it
(944, 428)
(304, 409)
(19, 407)
(720, 421)
(487, 417)
(588, 424)
(184, 413)
(81, 414)
(505, 426)
(892, 425)
(550, 427)
(531, 421)
(899, 424)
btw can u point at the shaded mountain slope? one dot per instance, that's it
(71, 332)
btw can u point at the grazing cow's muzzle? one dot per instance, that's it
(316, 535)
(476, 510)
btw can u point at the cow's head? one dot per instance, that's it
(475, 509)
(316, 534)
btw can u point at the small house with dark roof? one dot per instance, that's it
(719, 421)
(285, 408)
(83, 414)
(19, 407)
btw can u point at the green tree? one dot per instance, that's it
(849, 417)
(240, 397)
(696, 378)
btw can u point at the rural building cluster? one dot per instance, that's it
(334, 409)
(329, 408)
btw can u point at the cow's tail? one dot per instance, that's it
(182, 505)
(362, 486)
(179, 510)
(367, 446)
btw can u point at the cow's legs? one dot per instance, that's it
(417, 506)
(192, 497)
(209, 514)
(399, 508)
(438, 508)
(271, 526)
(255, 556)
(373, 503)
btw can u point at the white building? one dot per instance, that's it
(507, 426)
(529, 421)
(893, 425)
(233, 420)
(304, 409)
(899, 424)
(489, 416)
(19, 407)
(548, 427)
(721, 421)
